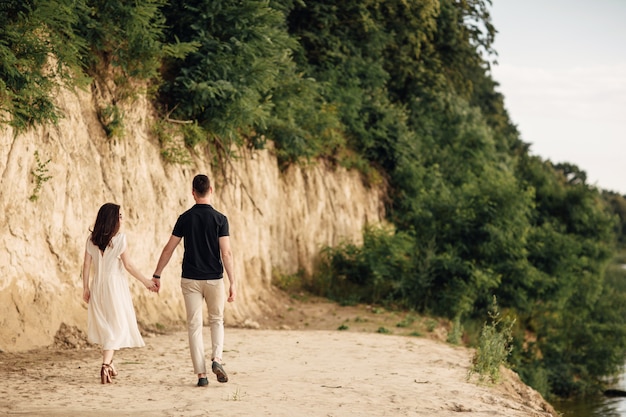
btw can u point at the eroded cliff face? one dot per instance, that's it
(278, 220)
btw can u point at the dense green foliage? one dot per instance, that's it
(48, 43)
(31, 31)
(400, 86)
(122, 35)
(241, 81)
(618, 206)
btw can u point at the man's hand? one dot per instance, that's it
(157, 284)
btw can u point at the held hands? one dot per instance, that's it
(151, 286)
(157, 283)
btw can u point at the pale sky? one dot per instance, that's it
(562, 71)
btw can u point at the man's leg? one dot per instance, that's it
(192, 294)
(215, 299)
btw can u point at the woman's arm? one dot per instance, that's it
(135, 272)
(86, 271)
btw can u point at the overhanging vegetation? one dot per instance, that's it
(399, 87)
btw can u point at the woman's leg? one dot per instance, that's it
(107, 356)
(105, 371)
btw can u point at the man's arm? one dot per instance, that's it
(165, 257)
(227, 260)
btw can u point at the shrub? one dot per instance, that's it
(493, 346)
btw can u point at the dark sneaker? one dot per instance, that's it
(203, 382)
(219, 371)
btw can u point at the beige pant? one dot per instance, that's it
(212, 292)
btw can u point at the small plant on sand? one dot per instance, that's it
(41, 176)
(237, 395)
(494, 345)
(343, 327)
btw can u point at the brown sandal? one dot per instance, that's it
(112, 370)
(105, 373)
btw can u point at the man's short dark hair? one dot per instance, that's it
(201, 184)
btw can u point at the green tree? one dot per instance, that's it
(345, 46)
(617, 203)
(126, 36)
(38, 52)
(569, 247)
(226, 84)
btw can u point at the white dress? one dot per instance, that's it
(111, 320)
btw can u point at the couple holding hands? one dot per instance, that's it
(111, 320)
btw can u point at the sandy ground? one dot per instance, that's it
(297, 369)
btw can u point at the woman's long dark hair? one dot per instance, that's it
(107, 225)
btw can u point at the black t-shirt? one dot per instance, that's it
(201, 227)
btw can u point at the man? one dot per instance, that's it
(207, 254)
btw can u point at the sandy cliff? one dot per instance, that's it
(279, 220)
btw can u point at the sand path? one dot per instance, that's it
(272, 373)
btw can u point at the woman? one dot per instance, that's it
(111, 320)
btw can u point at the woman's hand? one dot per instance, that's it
(86, 294)
(150, 285)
